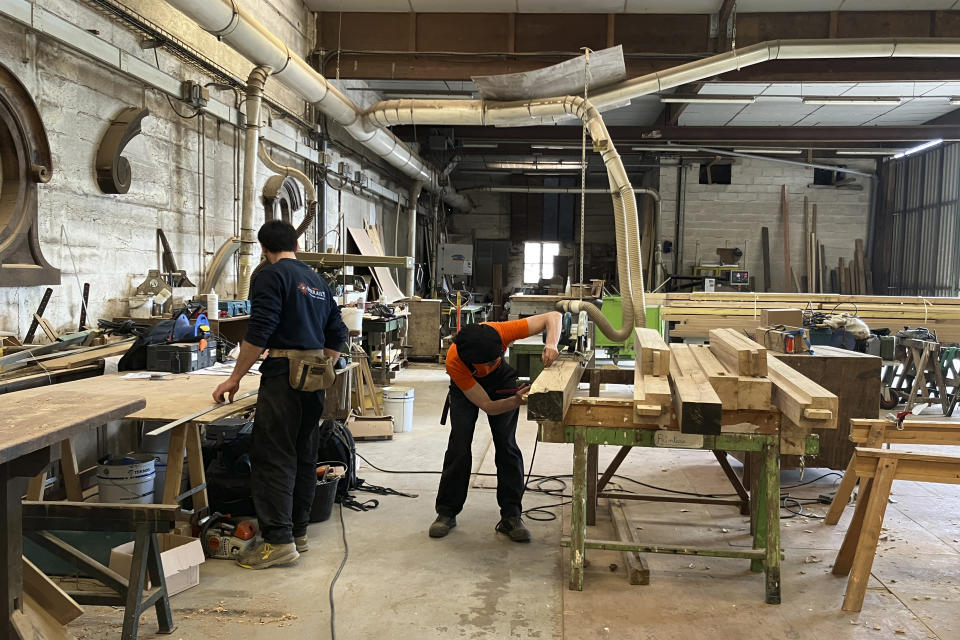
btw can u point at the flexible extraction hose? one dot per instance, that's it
(256, 80)
(301, 177)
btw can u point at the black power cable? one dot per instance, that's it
(333, 583)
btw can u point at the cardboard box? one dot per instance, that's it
(181, 557)
(373, 427)
(788, 317)
(775, 339)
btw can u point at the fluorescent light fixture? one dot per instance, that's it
(790, 152)
(479, 145)
(709, 99)
(556, 147)
(675, 149)
(855, 101)
(867, 152)
(918, 148)
(536, 166)
(954, 101)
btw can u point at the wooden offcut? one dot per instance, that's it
(801, 400)
(738, 353)
(49, 595)
(552, 391)
(785, 221)
(736, 392)
(653, 354)
(697, 406)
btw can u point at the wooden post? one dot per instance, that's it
(553, 389)
(578, 525)
(785, 220)
(765, 248)
(771, 471)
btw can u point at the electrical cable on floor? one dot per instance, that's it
(333, 583)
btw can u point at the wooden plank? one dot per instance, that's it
(638, 571)
(37, 418)
(933, 432)
(653, 354)
(861, 267)
(738, 353)
(49, 595)
(366, 246)
(765, 248)
(794, 393)
(552, 391)
(722, 381)
(807, 258)
(696, 404)
(88, 356)
(785, 221)
(35, 623)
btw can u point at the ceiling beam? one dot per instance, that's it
(624, 136)
(456, 46)
(726, 10)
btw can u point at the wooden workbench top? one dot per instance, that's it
(36, 418)
(166, 400)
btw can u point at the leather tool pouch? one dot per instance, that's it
(311, 372)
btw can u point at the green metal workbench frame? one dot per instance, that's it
(765, 554)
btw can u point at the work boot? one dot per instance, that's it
(266, 555)
(302, 544)
(514, 528)
(441, 526)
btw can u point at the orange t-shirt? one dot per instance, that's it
(458, 370)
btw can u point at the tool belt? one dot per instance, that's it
(310, 369)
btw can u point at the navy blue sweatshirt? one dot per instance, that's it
(291, 307)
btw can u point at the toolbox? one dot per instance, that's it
(234, 307)
(181, 357)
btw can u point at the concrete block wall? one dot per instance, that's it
(732, 215)
(112, 238)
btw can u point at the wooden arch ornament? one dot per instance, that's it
(113, 170)
(25, 162)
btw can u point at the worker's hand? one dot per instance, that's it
(518, 399)
(550, 355)
(228, 386)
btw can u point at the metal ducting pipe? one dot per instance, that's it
(256, 80)
(232, 24)
(653, 193)
(301, 177)
(415, 190)
(480, 112)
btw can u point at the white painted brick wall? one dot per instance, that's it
(112, 237)
(732, 215)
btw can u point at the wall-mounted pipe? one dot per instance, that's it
(415, 189)
(256, 80)
(301, 177)
(232, 24)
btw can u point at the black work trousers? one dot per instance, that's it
(458, 460)
(286, 431)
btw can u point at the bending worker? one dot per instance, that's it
(293, 314)
(480, 379)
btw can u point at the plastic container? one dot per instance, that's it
(324, 498)
(398, 402)
(131, 481)
(353, 318)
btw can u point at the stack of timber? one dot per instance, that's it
(41, 365)
(697, 313)
(696, 389)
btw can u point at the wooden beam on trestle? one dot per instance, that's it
(653, 354)
(696, 404)
(651, 387)
(738, 353)
(801, 400)
(553, 390)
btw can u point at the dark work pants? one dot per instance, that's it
(284, 456)
(458, 461)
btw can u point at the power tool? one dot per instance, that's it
(223, 537)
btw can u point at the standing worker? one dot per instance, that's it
(480, 379)
(293, 314)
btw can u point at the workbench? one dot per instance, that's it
(31, 421)
(379, 333)
(526, 356)
(727, 398)
(165, 401)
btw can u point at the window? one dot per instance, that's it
(538, 260)
(715, 173)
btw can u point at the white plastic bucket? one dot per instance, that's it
(398, 402)
(353, 318)
(129, 483)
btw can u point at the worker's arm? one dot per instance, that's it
(549, 322)
(249, 353)
(479, 397)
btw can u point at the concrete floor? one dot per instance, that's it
(398, 583)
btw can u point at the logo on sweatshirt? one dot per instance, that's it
(313, 292)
